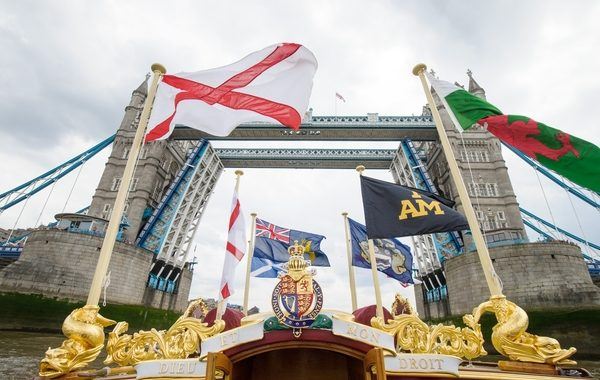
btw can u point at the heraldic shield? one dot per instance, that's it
(297, 296)
(297, 299)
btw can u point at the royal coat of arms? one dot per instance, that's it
(297, 299)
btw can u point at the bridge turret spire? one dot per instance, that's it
(142, 89)
(474, 87)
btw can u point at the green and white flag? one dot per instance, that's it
(464, 108)
(576, 159)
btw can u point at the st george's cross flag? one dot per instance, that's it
(271, 85)
(235, 249)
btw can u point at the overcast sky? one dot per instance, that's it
(67, 70)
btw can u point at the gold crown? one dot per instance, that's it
(296, 262)
(296, 249)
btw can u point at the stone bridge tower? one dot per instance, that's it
(158, 164)
(484, 171)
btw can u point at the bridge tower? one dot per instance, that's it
(483, 168)
(158, 165)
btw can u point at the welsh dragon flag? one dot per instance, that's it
(574, 158)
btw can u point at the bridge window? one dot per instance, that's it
(136, 120)
(479, 214)
(474, 155)
(157, 190)
(106, 211)
(501, 215)
(483, 189)
(115, 184)
(134, 183)
(492, 189)
(125, 152)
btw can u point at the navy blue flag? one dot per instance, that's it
(393, 210)
(275, 250)
(393, 258)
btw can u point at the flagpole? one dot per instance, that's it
(350, 267)
(221, 304)
(249, 263)
(484, 256)
(360, 169)
(119, 206)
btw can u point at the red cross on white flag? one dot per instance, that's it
(270, 85)
(236, 247)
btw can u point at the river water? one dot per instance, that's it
(21, 352)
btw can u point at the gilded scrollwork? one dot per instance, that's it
(510, 338)
(84, 328)
(178, 342)
(415, 336)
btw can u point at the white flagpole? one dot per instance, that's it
(350, 267)
(360, 169)
(484, 256)
(250, 254)
(222, 304)
(117, 213)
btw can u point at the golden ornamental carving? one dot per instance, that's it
(84, 328)
(401, 306)
(415, 336)
(181, 340)
(510, 338)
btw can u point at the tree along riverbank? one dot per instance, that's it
(579, 328)
(30, 312)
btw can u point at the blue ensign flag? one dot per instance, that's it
(393, 258)
(275, 250)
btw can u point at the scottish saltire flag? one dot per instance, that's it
(265, 268)
(271, 85)
(393, 258)
(276, 249)
(271, 231)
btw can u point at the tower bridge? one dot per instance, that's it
(174, 180)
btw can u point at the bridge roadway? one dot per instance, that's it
(335, 128)
(305, 158)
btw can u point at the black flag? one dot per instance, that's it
(393, 211)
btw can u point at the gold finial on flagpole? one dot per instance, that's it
(419, 68)
(158, 67)
(360, 169)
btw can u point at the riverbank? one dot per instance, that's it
(29, 312)
(579, 328)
